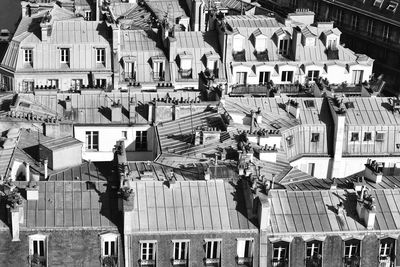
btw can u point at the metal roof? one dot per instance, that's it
(189, 206)
(61, 143)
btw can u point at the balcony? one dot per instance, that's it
(239, 56)
(280, 263)
(158, 75)
(245, 261)
(182, 262)
(129, 76)
(332, 53)
(353, 261)
(109, 261)
(315, 261)
(261, 55)
(185, 74)
(37, 261)
(147, 263)
(251, 89)
(212, 261)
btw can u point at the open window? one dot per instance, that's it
(313, 253)
(180, 255)
(352, 253)
(387, 252)
(109, 249)
(158, 68)
(280, 256)
(212, 60)
(38, 250)
(129, 72)
(185, 65)
(213, 252)
(282, 41)
(245, 252)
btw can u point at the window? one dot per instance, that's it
(354, 22)
(354, 137)
(88, 15)
(158, 70)
(264, 77)
(287, 76)
(386, 32)
(100, 55)
(289, 141)
(238, 43)
(124, 135)
(367, 136)
(313, 75)
(357, 76)
(101, 83)
(212, 64)
(38, 250)
(64, 55)
(309, 103)
(386, 251)
(186, 63)
(141, 140)
(28, 54)
(370, 27)
(92, 140)
(52, 83)
(109, 249)
(129, 70)
(241, 77)
(332, 44)
(352, 253)
(280, 255)
(392, 6)
(283, 48)
(311, 169)
(315, 137)
(314, 253)
(339, 16)
(181, 252)
(76, 84)
(244, 251)
(213, 252)
(378, 3)
(315, 7)
(380, 136)
(28, 85)
(148, 253)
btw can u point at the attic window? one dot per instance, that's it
(355, 137)
(315, 137)
(309, 103)
(378, 3)
(380, 136)
(392, 6)
(349, 105)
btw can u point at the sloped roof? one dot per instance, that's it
(189, 206)
(72, 32)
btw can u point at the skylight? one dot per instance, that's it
(309, 103)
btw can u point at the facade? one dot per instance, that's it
(370, 27)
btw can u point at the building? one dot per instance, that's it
(260, 51)
(370, 27)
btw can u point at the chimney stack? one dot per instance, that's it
(366, 208)
(45, 166)
(27, 172)
(116, 112)
(132, 111)
(374, 170)
(68, 104)
(151, 112)
(293, 108)
(15, 219)
(264, 212)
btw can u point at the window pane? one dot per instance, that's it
(35, 247)
(106, 244)
(41, 248)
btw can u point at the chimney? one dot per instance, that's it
(45, 26)
(128, 206)
(293, 108)
(172, 49)
(68, 104)
(27, 172)
(132, 111)
(15, 220)
(151, 111)
(25, 9)
(374, 170)
(32, 191)
(197, 18)
(264, 212)
(116, 112)
(248, 198)
(366, 208)
(45, 166)
(303, 16)
(207, 174)
(296, 43)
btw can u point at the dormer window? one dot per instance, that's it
(260, 41)
(158, 68)
(392, 6)
(185, 65)
(109, 248)
(308, 37)
(378, 3)
(129, 73)
(38, 250)
(28, 55)
(283, 46)
(238, 43)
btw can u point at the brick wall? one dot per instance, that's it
(196, 250)
(80, 248)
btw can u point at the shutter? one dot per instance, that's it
(240, 248)
(369, 251)
(270, 249)
(397, 245)
(297, 252)
(332, 251)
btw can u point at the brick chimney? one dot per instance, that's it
(264, 212)
(374, 170)
(45, 26)
(366, 208)
(293, 108)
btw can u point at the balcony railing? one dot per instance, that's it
(185, 74)
(353, 261)
(109, 261)
(261, 55)
(245, 261)
(332, 53)
(147, 263)
(129, 76)
(182, 262)
(315, 261)
(253, 89)
(37, 261)
(158, 75)
(211, 73)
(280, 263)
(212, 261)
(239, 55)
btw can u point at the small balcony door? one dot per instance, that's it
(241, 77)
(357, 76)
(158, 70)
